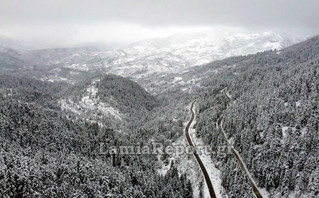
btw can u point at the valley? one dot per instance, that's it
(59, 105)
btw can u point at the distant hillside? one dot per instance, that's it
(57, 55)
(303, 51)
(152, 58)
(29, 90)
(10, 59)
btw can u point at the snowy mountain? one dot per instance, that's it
(147, 59)
(176, 53)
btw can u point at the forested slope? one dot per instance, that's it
(45, 153)
(272, 121)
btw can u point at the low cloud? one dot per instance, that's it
(59, 22)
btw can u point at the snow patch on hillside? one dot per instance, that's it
(91, 105)
(163, 166)
(56, 78)
(80, 67)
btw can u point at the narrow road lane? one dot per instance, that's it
(202, 167)
(219, 124)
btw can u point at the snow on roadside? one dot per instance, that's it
(213, 172)
(187, 164)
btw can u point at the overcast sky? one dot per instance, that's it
(80, 21)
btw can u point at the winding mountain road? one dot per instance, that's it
(202, 167)
(219, 125)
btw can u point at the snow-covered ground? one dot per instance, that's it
(186, 163)
(162, 168)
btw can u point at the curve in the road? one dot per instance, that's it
(202, 167)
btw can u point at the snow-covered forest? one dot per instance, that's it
(159, 99)
(51, 131)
